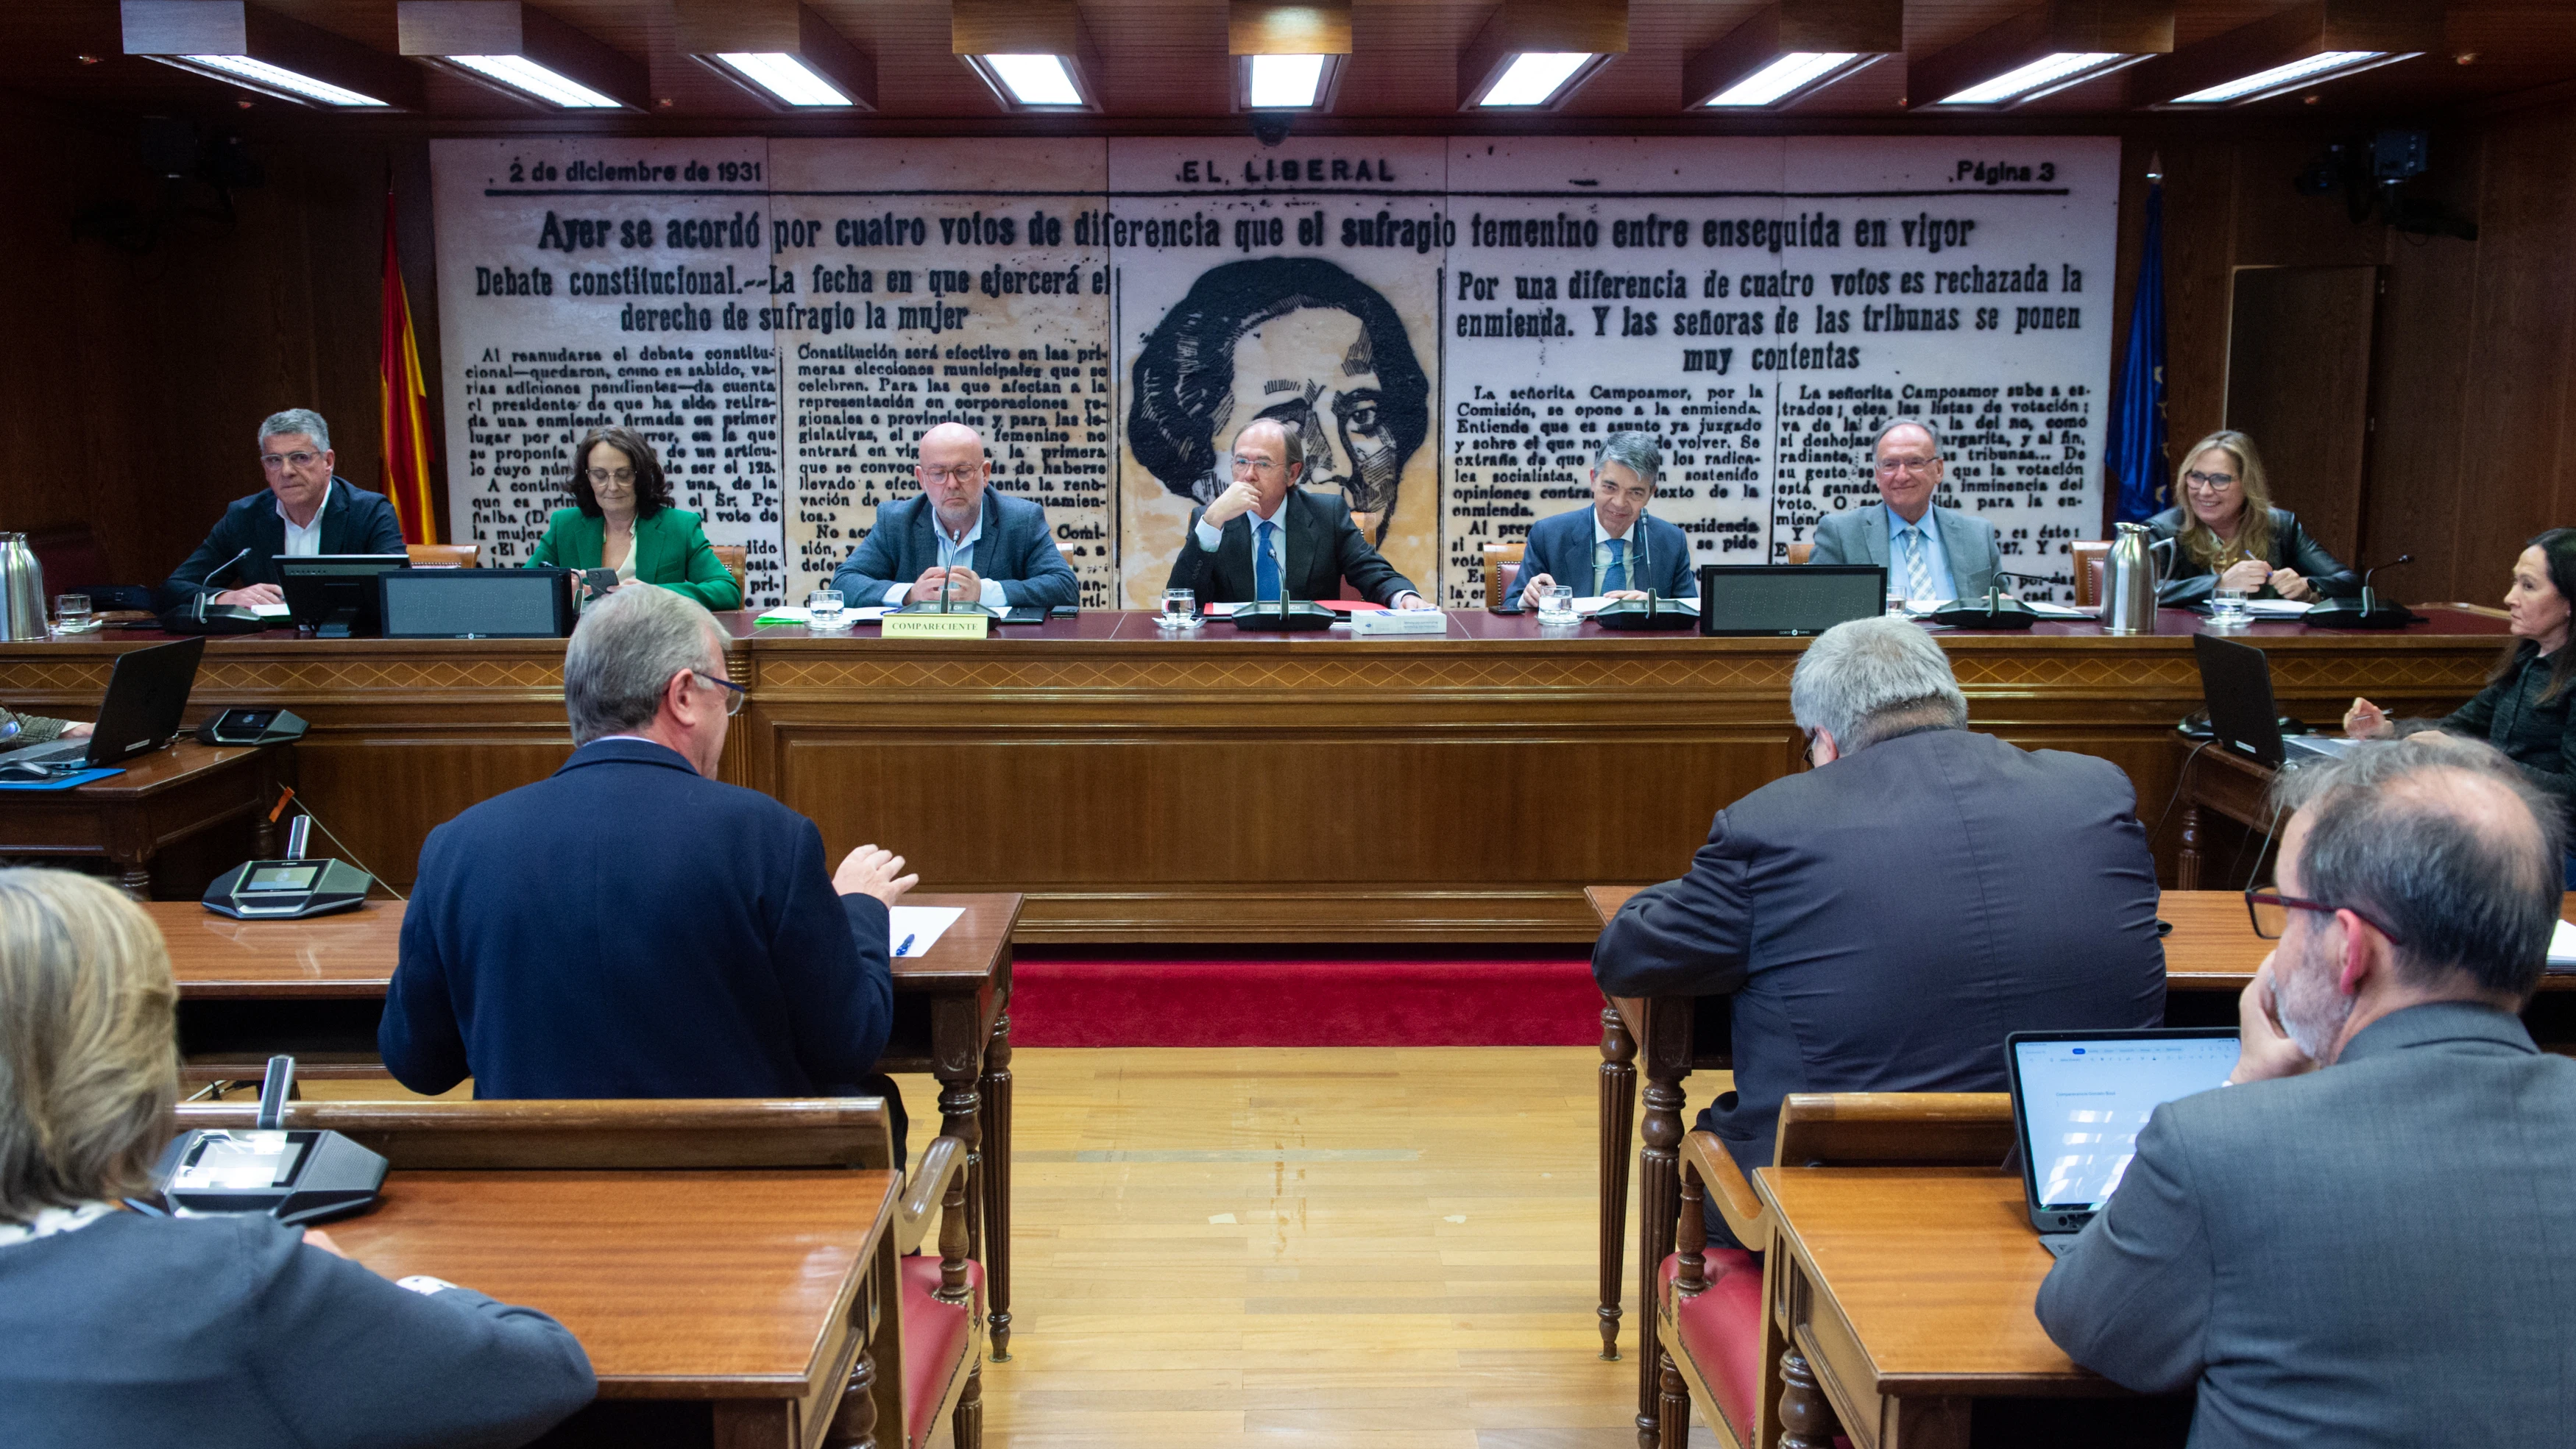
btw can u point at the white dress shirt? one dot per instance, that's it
(952, 552)
(305, 540)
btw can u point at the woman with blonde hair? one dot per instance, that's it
(122, 1328)
(2227, 534)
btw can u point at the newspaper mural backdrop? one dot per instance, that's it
(1452, 326)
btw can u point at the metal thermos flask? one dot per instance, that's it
(2129, 583)
(22, 588)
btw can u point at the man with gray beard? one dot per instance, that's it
(2362, 1238)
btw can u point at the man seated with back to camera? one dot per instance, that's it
(1264, 532)
(632, 927)
(2363, 1239)
(1886, 918)
(1613, 549)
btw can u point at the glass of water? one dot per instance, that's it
(1556, 604)
(2227, 608)
(1180, 610)
(826, 612)
(1896, 604)
(71, 613)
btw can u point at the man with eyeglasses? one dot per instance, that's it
(631, 927)
(1613, 549)
(306, 510)
(1264, 534)
(2363, 1238)
(1932, 554)
(959, 536)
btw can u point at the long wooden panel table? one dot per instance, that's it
(316, 989)
(2210, 955)
(722, 1308)
(159, 799)
(1231, 785)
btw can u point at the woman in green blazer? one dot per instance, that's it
(624, 521)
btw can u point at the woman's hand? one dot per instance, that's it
(2367, 721)
(78, 730)
(2288, 584)
(2250, 575)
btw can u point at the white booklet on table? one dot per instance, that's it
(912, 930)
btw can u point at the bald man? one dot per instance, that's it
(960, 535)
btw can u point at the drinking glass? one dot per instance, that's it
(826, 612)
(1180, 610)
(1556, 604)
(71, 613)
(1896, 604)
(2227, 608)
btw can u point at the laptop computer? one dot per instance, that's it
(2236, 685)
(2080, 1099)
(146, 693)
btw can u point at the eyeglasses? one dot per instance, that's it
(1907, 465)
(733, 700)
(1246, 464)
(598, 476)
(2209, 482)
(274, 461)
(2270, 911)
(948, 475)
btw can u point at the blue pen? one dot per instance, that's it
(906, 946)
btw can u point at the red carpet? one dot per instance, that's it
(1082, 999)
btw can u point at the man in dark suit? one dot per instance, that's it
(2363, 1238)
(1931, 553)
(631, 927)
(961, 535)
(1264, 532)
(1884, 919)
(1612, 549)
(306, 510)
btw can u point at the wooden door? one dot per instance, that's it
(2298, 383)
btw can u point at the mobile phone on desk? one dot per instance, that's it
(595, 582)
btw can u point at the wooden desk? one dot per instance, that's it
(316, 989)
(162, 797)
(1358, 757)
(2210, 955)
(1907, 1293)
(2221, 780)
(741, 1297)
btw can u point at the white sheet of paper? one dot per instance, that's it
(924, 924)
(2275, 608)
(271, 611)
(2562, 945)
(2047, 610)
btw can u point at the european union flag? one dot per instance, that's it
(2136, 451)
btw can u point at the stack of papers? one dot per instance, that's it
(2275, 608)
(797, 614)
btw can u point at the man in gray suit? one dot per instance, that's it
(1931, 553)
(961, 535)
(1884, 919)
(2364, 1239)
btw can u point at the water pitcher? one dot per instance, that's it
(2129, 583)
(22, 588)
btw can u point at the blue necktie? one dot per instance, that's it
(1265, 564)
(1617, 576)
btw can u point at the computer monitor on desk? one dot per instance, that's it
(1787, 599)
(335, 594)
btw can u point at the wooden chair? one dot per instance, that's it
(735, 558)
(2090, 556)
(1500, 560)
(1802, 551)
(445, 555)
(1716, 1345)
(930, 1368)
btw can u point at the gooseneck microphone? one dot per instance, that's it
(2369, 599)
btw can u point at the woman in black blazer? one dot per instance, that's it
(2224, 528)
(121, 1328)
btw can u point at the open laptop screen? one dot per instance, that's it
(2081, 1098)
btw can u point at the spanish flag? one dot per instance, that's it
(405, 408)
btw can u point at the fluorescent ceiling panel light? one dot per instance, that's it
(1533, 76)
(2047, 72)
(278, 78)
(1036, 80)
(1286, 82)
(789, 79)
(529, 78)
(1781, 77)
(2321, 66)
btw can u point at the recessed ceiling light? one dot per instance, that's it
(785, 77)
(525, 76)
(1035, 80)
(2048, 73)
(2325, 65)
(1534, 77)
(1791, 73)
(1285, 82)
(275, 79)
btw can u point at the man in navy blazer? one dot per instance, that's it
(632, 927)
(1612, 549)
(306, 510)
(1311, 544)
(960, 534)
(1932, 554)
